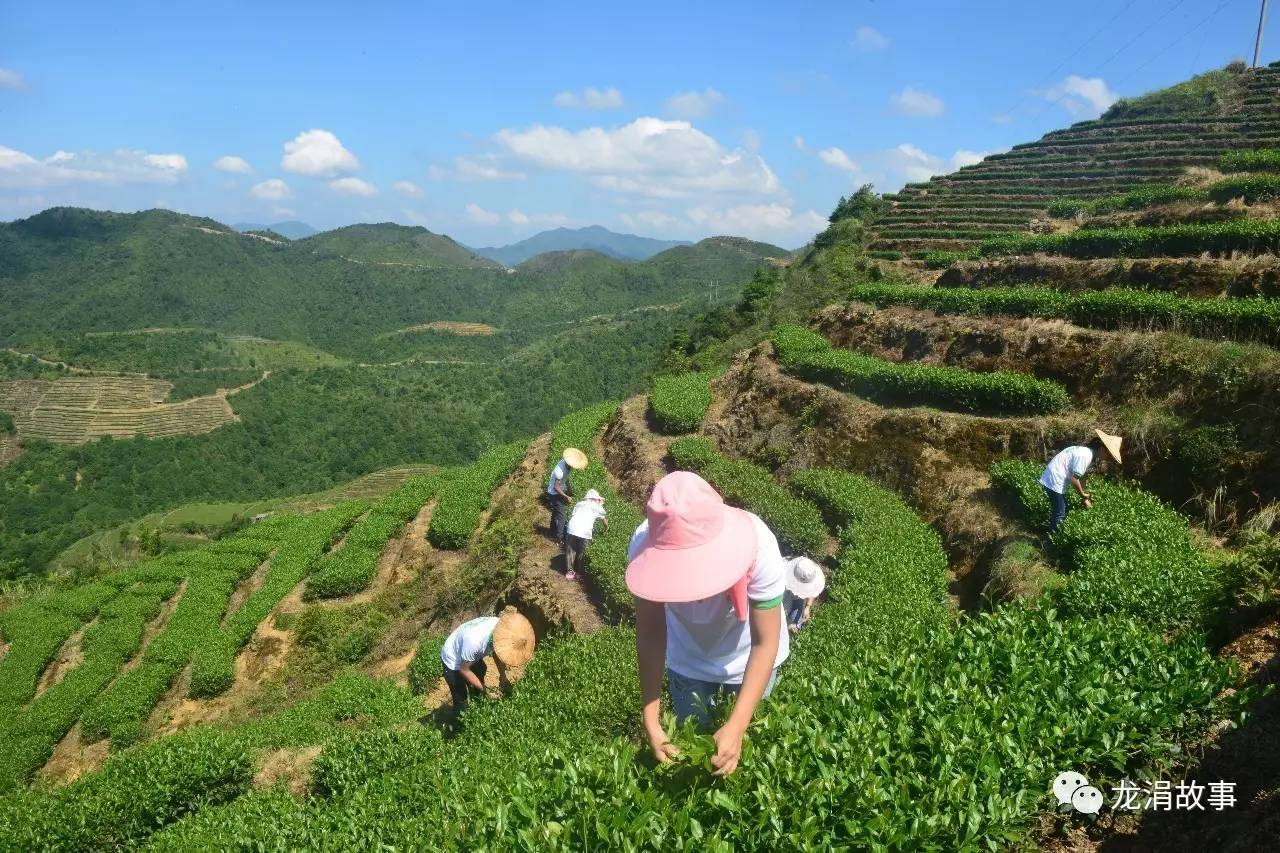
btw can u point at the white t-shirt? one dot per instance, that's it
(1072, 461)
(469, 642)
(557, 473)
(583, 520)
(705, 640)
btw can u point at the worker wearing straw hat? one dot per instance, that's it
(805, 582)
(559, 493)
(1070, 467)
(708, 581)
(507, 636)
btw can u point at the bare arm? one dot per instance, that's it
(651, 652)
(471, 677)
(765, 625)
(1079, 485)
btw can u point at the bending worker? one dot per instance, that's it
(507, 636)
(1070, 466)
(559, 493)
(708, 581)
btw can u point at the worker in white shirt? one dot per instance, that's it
(1069, 468)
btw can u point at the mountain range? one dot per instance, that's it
(593, 238)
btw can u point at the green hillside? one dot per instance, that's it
(388, 243)
(358, 380)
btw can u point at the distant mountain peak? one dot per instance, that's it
(591, 238)
(292, 228)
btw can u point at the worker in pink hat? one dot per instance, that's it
(708, 581)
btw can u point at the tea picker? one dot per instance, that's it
(508, 637)
(1069, 467)
(559, 493)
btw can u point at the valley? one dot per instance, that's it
(227, 633)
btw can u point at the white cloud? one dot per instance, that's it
(751, 140)
(837, 159)
(917, 102)
(476, 213)
(694, 104)
(798, 140)
(589, 99)
(1001, 118)
(353, 186)
(272, 189)
(228, 163)
(10, 79)
(650, 157)
(1081, 96)
(317, 152)
(282, 211)
(484, 167)
(541, 220)
(414, 216)
(123, 166)
(869, 40)
(964, 157)
(648, 219)
(761, 221)
(408, 188)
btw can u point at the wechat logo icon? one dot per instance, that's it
(1073, 789)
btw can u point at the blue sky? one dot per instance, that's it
(666, 119)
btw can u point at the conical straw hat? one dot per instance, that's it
(513, 639)
(1111, 442)
(575, 458)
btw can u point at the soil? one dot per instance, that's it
(72, 758)
(69, 657)
(245, 589)
(633, 452)
(540, 590)
(290, 767)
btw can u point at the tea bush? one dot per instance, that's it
(679, 403)
(1256, 160)
(938, 739)
(1139, 199)
(796, 522)
(351, 568)
(1251, 188)
(1251, 236)
(213, 669)
(465, 495)
(132, 796)
(606, 557)
(1131, 554)
(1245, 319)
(809, 356)
(427, 668)
(31, 735)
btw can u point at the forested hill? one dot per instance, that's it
(70, 270)
(389, 243)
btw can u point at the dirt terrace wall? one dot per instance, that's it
(1125, 376)
(936, 460)
(1206, 277)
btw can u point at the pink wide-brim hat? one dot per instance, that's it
(697, 546)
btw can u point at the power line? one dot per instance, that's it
(1257, 45)
(1195, 27)
(1046, 78)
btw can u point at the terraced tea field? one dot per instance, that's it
(1009, 192)
(76, 409)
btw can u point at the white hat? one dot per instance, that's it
(592, 495)
(805, 578)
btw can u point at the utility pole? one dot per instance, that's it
(1257, 45)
